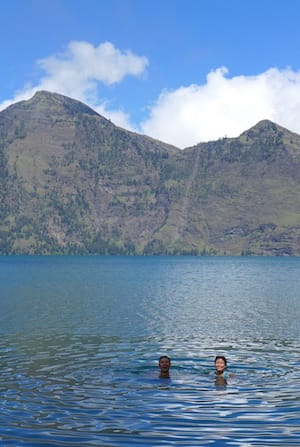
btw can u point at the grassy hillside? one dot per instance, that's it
(73, 182)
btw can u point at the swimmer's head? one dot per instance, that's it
(220, 363)
(164, 365)
(164, 362)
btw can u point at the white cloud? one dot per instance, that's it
(83, 66)
(78, 72)
(222, 106)
(225, 107)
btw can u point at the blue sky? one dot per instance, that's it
(182, 71)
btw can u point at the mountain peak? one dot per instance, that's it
(44, 98)
(46, 94)
(263, 126)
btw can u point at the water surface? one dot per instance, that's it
(81, 337)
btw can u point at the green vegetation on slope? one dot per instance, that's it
(72, 182)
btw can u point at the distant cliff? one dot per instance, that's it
(73, 182)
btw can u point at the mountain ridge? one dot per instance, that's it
(73, 182)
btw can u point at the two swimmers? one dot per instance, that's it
(221, 374)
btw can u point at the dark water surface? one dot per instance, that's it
(81, 337)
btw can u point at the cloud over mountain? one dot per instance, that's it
(220, 106)
(225, 106)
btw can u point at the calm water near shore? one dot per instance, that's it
(81, 337)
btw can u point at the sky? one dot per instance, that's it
(181, 71)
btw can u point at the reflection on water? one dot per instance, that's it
(81, 338)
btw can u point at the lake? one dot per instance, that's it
(81, 338)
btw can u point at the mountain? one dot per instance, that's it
(73, 182)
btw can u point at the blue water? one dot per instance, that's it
(81, 337)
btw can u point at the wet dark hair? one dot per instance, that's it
(164, 357)
(221, 357)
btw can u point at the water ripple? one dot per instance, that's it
(79, 356)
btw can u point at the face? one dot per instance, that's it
(220, 365)
(164, 364)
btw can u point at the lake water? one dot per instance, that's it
(81, 338)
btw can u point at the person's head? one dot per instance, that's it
(220, 363)
(164, 364)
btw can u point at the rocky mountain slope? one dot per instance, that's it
(73, 182)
